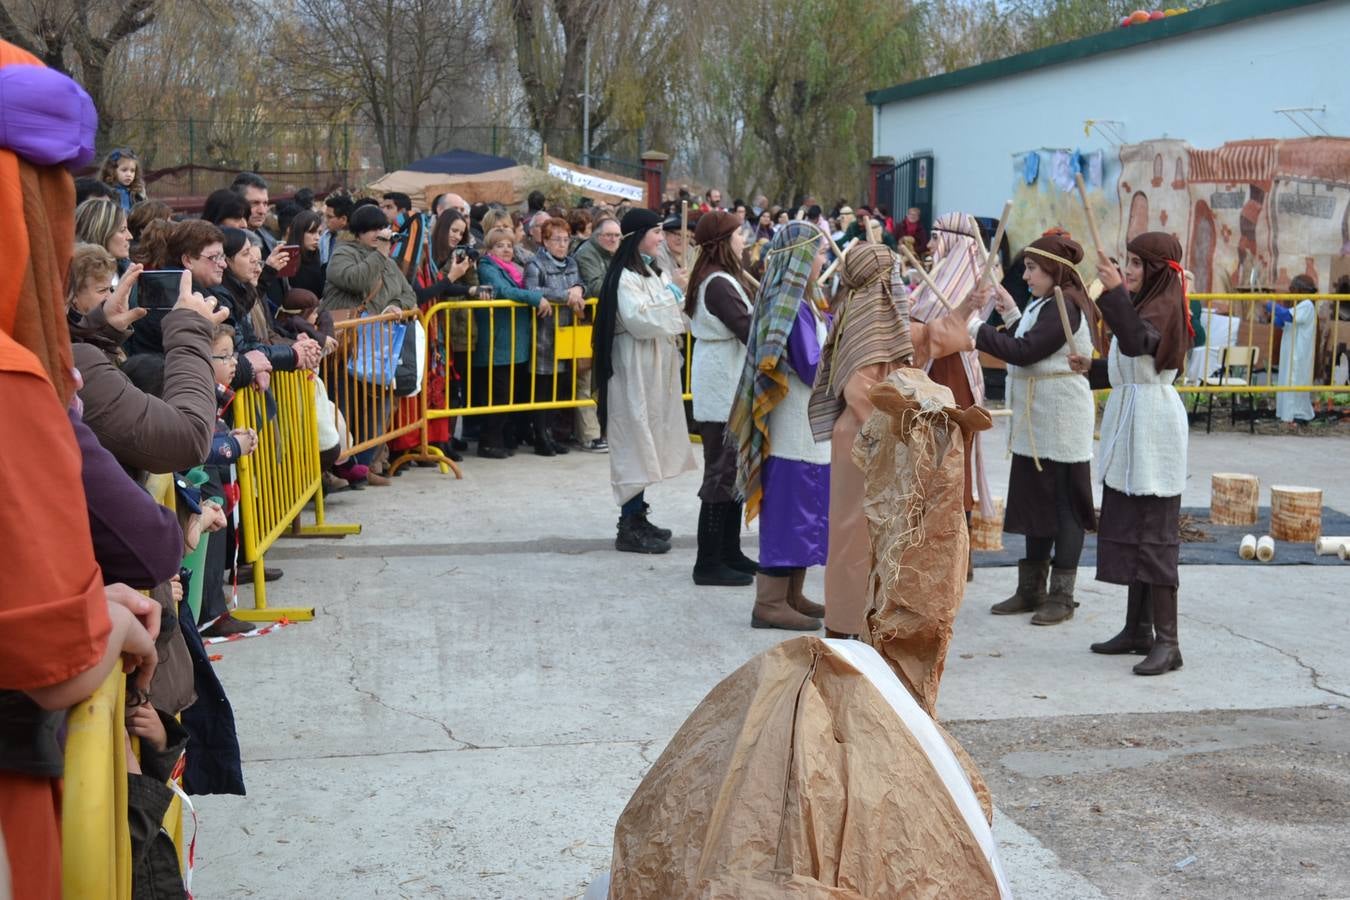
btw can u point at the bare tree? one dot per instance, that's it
(77, 37)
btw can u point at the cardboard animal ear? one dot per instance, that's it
(971, 419)
(887, 398)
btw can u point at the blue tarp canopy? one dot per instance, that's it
(460, 162)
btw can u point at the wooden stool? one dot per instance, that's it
(1295, 513)
(987, 534)
(1234, 498)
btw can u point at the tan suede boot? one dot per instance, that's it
(772, 609)
(797, 600)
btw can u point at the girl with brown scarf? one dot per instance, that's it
(1144, 440)
(1050, 486)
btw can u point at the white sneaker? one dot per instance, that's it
(599, 445)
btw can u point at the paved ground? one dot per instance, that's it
(487, 681)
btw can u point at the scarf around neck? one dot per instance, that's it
(513, 271)
(764, 379)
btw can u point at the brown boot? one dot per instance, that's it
(797, 600)
(1165, 654)
(1137, 635)
(1059, 604)
(772, 609)
(1030, 592)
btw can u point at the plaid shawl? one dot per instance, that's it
(764, 380)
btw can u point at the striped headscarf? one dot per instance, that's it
(956, 264)
(871, 326)
(764, 380)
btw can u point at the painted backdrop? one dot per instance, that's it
(1249, 213)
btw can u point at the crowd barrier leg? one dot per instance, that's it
(278, 480)
(95, 834)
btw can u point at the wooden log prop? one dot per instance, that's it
(1234, 498)
(1087, 211)
(992, 253)
(1344, 552)
(1295, 513)
(913, 261)
(1247, 549)
(1331, 546)
(1265, 548)
(987, 533)
(1064, 320)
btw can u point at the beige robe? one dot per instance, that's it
(849, 564)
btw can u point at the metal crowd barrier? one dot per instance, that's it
(279, 479)
(373, 414)
(95, 834)
(1247, 362)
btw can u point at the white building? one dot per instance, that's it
(1207, 77)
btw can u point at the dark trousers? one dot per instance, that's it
(1067, 544)
(492, 426)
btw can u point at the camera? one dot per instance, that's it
(466, 253)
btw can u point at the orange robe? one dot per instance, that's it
(53, 613)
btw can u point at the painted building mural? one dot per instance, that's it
(1250, 214)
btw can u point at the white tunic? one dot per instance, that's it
(1144, 429)
(648, 436)
(1052, 409)
(719, 357)
(790, 434)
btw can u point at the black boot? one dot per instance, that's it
(661, 534)
(1165, 655)
(1137, 635)
(633, 538)
(731, 540)
(709, 566)
(1030, 593)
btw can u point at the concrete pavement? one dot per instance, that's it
(487, 681)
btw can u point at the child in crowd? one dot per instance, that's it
(122, 172)
(228, 444)
(154, 859)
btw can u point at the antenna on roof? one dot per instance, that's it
(1299, 115)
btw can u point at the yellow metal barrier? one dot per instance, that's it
(374, 414)
(567, 346)
(95, 835)
(1248, 310)
(279, 479)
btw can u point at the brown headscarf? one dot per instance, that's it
(1161, 300)
(712, 235)
(1058, 255)
(870, 326)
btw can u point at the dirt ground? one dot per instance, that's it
(1197, 804)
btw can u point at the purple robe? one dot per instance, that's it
(794, 514)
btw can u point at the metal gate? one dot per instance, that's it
(908, 184)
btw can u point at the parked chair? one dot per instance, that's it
(1236, 366)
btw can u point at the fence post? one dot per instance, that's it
(346, 155)
(494, 138)
(192, 156)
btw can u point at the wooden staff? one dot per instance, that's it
(988, 272)
(1087, 211)
(1064, 320)
(909, 257)
(684, 232)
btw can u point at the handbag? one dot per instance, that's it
(379, 349)
(411, 362)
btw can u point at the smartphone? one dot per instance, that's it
(293, 263)
(158, 288)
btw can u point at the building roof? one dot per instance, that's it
(1093, 45)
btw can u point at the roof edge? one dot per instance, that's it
(1118, 38)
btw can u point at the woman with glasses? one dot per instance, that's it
(553, 271)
